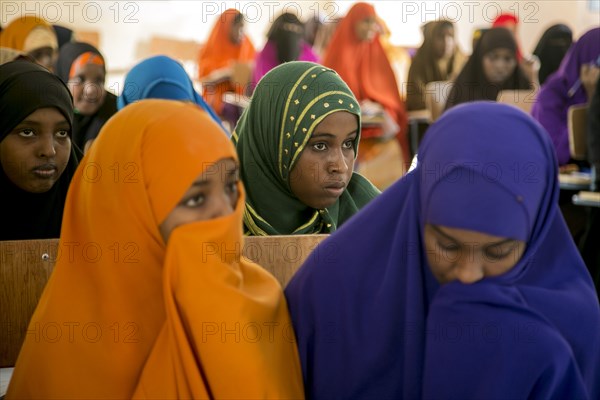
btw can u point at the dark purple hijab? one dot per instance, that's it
(373, 323)
(557, 95)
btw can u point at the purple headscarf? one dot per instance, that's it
(372, 322)
(554, 99)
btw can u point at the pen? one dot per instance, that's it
(577, 84)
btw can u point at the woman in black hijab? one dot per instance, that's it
(551, 49)
(492, 67)
(82, 68)
(37, 160)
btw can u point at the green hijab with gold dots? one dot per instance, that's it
(287, 105)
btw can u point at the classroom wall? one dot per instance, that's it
(125, 26)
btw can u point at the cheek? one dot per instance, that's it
(63, 153)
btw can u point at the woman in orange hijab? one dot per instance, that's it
(356, 53)
(225, 49)
(34, 36)
(150, 297)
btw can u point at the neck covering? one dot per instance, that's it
(564, 89)
(551, 49)
(24, 88)
(289, 102)
(471, 84)
(161, 77)
(85, 127)
(16, 34)
(364, 66)
(143, 312)
(371, 320)
(426, 66)
(219, 52)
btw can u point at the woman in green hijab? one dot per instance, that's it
(297, 142)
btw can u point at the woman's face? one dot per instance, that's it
(498, 65)
(366, 29)
(236, 33)
(36, 152)
(325, 166)
(469, 256)
(213, 194)
(87, 88)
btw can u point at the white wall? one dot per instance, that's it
(123, 25)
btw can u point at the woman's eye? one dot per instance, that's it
(349, 144)
(195, 201)
(498, 253)
(26, 133)
(232, 187)
(62, 134)
(448, 246)
(319, 146)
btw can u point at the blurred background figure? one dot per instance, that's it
(285, 42)
(225, 63)
(64, 35)
(33, 36)
(551, 49)
(356, 53)
(82, 67)
(438, 59)
(492, 67)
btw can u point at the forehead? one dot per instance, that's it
(89, 70)
(466, 235)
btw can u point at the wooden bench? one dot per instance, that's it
(25, 267)
(523, 99)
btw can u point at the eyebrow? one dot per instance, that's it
(330, 135)
(438, 230)
(31, 122)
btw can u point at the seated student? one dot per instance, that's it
(551, 49)
(355, 52)
(170, 309)
(226, 48)
(82, 67)
(491, 68)
(297, 142)
(285, 42)
(33, 36)
(160, 77)
(438, 59)
(573, 83)
(461, 281)
(37, 159)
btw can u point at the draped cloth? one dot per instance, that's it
(143, 318)
(364, 66)
(287, 105)
(372, 321)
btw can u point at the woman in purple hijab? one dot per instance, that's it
(566, 87)
(459, 281)
(285, 42)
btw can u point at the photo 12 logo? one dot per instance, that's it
(71, 11)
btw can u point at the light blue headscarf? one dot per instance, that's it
(161, 77)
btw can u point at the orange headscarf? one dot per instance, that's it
(219, 52)
(15, 34)
(123, 314)
(366, 69)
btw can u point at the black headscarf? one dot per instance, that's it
(551, 49)
(287, 32)
(85, 127)
(472, 85)
(24, 88)
(63, 34)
